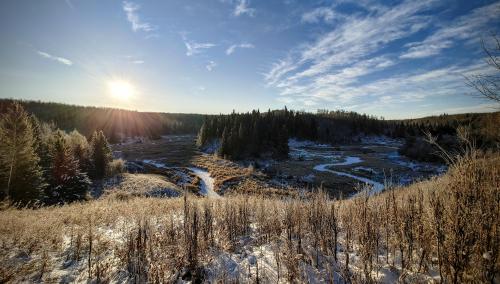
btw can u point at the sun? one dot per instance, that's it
(121, 89)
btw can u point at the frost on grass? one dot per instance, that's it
(143, 185)
(389, 237)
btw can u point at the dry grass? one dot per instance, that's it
(446, 226)
(141, 185)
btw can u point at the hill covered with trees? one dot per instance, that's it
(115, 123)
(257, 134)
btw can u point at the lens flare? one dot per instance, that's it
(120, 89)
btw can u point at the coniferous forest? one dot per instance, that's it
(257, 134)
(115, 123)
(246, 141)
(40, 163)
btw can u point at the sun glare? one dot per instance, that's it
(120, 89)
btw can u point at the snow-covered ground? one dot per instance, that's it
(382, 148)
(382, 140)
(395, 157)
(207, 182)
(154, 163)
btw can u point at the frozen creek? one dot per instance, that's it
(207, 182)
(375, 187)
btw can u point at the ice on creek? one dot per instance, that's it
(374, 187)
(207, 182)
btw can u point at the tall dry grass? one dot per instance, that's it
(446, 229)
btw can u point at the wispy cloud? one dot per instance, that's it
(325, 14)
(331, 66)
(138, 61)
(210, 65)
(193, 48)
(242, 8)
(230, 50)
(131, 9)
(466, 27)
(61, 60)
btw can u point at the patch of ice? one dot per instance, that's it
(365, 169)
(309, 178)
(212, 147)
(294, 143)
(154, 164)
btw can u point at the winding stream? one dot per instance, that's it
(375, 186)
(207, 182)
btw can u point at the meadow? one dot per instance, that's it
(424, 232)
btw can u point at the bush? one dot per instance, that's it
(117, 166)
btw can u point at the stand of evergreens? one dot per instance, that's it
(255, 134)
(39, 163)
(20, 172)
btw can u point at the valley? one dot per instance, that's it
(344, 170)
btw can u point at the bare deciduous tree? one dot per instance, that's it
(488, 84)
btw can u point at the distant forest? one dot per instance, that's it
(115, 123)
(265, 134)
(255, 134)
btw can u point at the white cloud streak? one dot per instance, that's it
(466, 27)
(231, 49)
(331, 67)
(130, 10)
(61, 60)
(193, 48)
(242, 8)
(325, 14)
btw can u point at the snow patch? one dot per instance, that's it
(154, 164)
(207, 182)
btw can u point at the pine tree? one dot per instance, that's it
(202, 135)
(224, 145)
(20, 174)
(67, 182)
(100, 154)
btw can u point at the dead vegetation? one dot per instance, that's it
(445, 228)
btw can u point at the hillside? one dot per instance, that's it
(116, 123)
(412, 234)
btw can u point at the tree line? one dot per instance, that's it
(40, 163)
(256, 134)
(116, 124)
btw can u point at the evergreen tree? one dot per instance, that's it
(20, 174)
(224, 144)
(100, 154)
(202, 135)
(80, 148)
(67, 181)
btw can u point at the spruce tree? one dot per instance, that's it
(100, 154)
(67, 182)
(20, 174)
(202, 135)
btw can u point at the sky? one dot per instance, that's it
(395, 59)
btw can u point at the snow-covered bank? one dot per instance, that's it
(207, 182)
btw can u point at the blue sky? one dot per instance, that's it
(395, 59)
